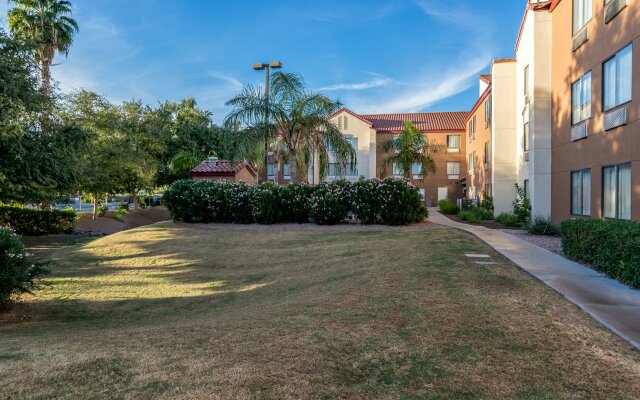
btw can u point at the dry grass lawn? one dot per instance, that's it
(179, 311)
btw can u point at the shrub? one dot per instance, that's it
(365, 200)
(236, 205)
(102, 211)
(266, 203)
(469, 216)
(329, 203)
(509, 219)
(196, 201)
(26, 221)
(611, 247)
(121, 211)
(521, 206)
(543, 226)
(17, 269)
(487, 203)
(401, 203)
(294, 202)
(448, 207)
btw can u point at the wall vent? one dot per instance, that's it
(613, 8)
(580, 38)
(615, 118)
(579, 132)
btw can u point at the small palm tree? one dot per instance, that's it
(410, 147)
(48, 26)
(293, 115)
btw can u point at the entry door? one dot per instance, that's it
(443, 193)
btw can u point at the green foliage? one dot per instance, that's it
(609, 246)
(476, 215)
(543, 226)
(27, 221)
(409, 147)
(238, 199)
(329, 202)
(294, 199)
(401, 203)
(509, 219)
(487, 203)
(521, 206)
(121, 211)
(102, 211)
(448, 207)
(18, 270)
(366, 201)
(266, 203)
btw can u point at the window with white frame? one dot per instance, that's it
(453, 169)
(353, 141)
(416, 170)
(286, 170)
(582, 13)
(271, 171)
(525, 136)
(397, 170)
(581, 192)
(616, 191)
(487, 154)
(581, 99)
(472, 162)
(453, 142)
(487, 112)
(618, 78)
(474, 127)
(526, 80)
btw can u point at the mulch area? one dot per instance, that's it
(108, 224)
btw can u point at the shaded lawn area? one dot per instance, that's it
(178, 311)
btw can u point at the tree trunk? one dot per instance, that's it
(95, 206)
(295, 175)
(136, 200)
(277, 176)
(46, 77)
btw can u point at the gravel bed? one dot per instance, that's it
(551, 243)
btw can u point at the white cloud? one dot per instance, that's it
(377, 81)
(236, 84)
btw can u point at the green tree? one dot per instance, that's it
(48, 25)
(297, 117)
(410, 147)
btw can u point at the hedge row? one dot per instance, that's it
(389, 201)
(611, 247)
(26, 221)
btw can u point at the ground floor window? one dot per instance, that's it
(616, 191)
(336, 170)
(286, 170)
(398, 170)
(581, 192)
(271, 171)
(416, 170)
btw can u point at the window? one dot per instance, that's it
(581, 99)
(582, 12)
(472, 162)
(616, 191)
(474, 127)
(525, 136)
(453, 169)
(286, 168)
(354, 142)
(581, 192)
(271, 171)
(526, 80)
(453, 141)
(487, 112)
(336, 170)
(526, 189)
(416, 170)
(487, 158)
(398, 170)
(618, 79)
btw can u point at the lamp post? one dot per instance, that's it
(266, 67)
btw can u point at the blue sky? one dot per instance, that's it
(373, 55)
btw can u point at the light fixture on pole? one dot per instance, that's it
(266, 67)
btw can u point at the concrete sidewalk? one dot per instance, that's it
(613, 304)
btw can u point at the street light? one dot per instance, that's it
(266, 67)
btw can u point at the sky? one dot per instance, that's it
(375, 56)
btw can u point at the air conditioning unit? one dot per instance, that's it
(615, 118)
(579, 132)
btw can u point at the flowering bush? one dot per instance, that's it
(26, 221)
(366, 201)
(392, 202)
(266, 203)
(329, 202)
(294, 202)
(17, 270)
(401, 203)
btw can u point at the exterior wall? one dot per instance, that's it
(243, 176)
(431, 183)
(600, 148)
(479, 175)
(504, 160)
(366, 152)
(534, 166)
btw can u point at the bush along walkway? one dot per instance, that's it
(611, 303)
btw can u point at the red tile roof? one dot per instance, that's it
(486, 78)
(425, 121)
(213, 167)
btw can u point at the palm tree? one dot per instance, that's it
(48, 26)
(296, 117)
(410, 147)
